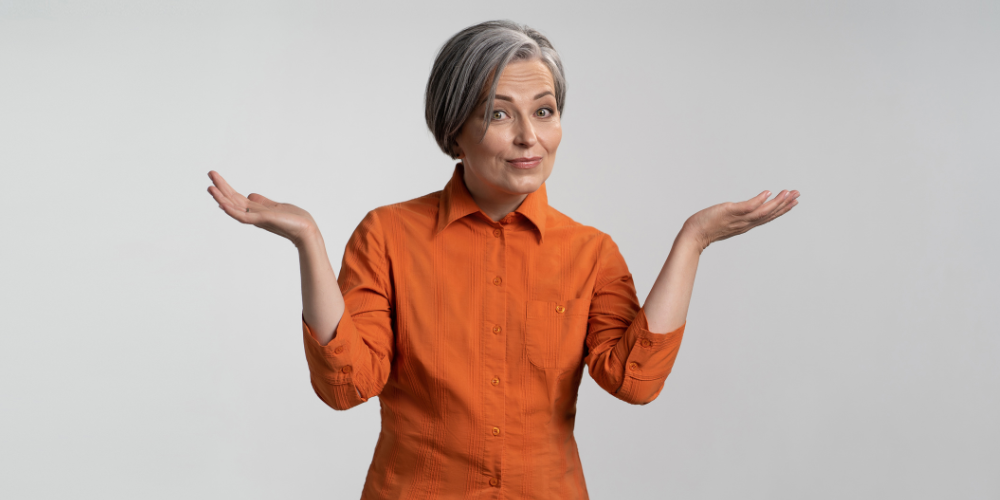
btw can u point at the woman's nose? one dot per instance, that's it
(525, 134)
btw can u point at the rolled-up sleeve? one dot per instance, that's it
(355, 364)
(623, 356)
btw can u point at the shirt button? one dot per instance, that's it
(496, 232)
(646, 342)
(633, 365)
(497, 329)
(560, 309)
(496, 431)
(493, 481)
(497, 280)
(495, 381)
(338, 350)
(347, 369)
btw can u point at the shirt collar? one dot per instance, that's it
(457, 202)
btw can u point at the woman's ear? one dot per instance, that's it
(456, 152)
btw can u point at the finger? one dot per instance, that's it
(232, 198)
(745, 207)
(783, 211)
(787, 199)
(237, 202)
(223, 186)
(237, 205)
(765, 209)
(224, 204)
(217, 194)
(790, 198)
(263, 200)
(244, 215)
(783, 199)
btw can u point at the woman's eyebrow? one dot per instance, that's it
(537, 97)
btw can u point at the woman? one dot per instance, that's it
(471, 311)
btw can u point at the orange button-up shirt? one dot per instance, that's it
(474, 333)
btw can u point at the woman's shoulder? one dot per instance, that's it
(421, 208)
(561, 223)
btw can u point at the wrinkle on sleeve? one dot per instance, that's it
(623, 356)
(355, 364)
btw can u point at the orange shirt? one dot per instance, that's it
(473, 334)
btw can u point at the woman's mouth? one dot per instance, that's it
(531, 162)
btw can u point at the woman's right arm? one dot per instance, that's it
(348, 336)
(322, 301)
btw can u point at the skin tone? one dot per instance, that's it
(513, 159)
(518, 151)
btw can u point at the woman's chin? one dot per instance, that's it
(527, 182)
(525, 186)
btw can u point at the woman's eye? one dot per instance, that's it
(499, 115)
(543, 113)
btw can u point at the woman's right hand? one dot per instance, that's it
(283, 219)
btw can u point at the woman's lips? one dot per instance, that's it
(532, 162)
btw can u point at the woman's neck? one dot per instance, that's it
(495, 205)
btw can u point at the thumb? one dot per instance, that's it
(263, 200)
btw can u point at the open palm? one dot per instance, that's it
(283, 219)
(726, 220)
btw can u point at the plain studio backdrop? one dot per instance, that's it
(151, 346)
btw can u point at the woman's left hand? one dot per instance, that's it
(726, 220)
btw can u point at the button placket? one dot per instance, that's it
(494, 349)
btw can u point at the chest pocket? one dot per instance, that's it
(555, 332)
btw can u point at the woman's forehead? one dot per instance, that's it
(527, 79)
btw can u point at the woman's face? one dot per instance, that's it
(517, 153)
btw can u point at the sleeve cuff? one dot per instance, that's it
(344, 334)
(335, 360)
(650, 356)
(640, 331)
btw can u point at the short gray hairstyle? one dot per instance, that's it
(467, 61)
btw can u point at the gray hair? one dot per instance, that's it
(467, 61)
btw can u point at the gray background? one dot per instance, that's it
(151, 346)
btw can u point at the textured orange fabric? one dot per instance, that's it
(474, 333)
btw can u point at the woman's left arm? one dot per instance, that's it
(631, 349)
(666, 305)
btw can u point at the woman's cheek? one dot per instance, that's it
(554, 137)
